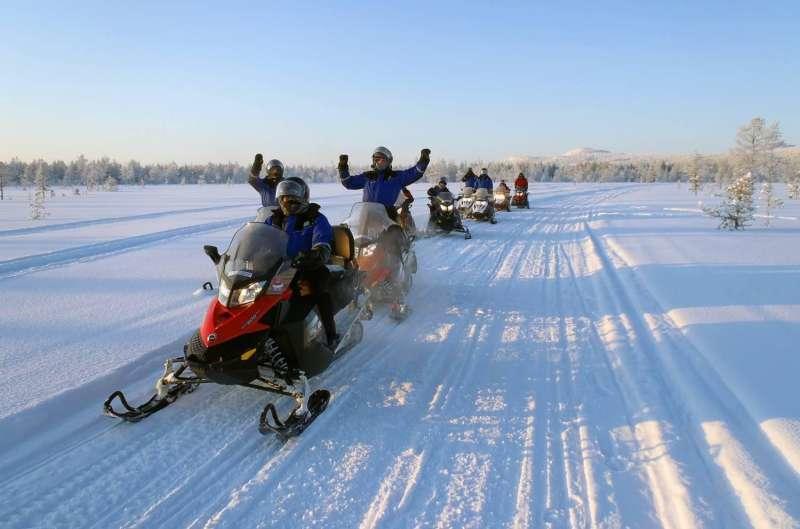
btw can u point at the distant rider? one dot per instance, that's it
(521, 182)
(470, 178)
(484, 181)
(433, 192)
(310, 239)
(266, 187)
(503, 188)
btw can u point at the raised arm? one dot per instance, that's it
(350, 181)
(412, 174)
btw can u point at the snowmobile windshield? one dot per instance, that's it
(445, 197)
(254, 254)
(367, 221)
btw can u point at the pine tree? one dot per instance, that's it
(110, 184)
(736, 211)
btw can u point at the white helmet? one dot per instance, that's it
(292, 195)
(384, 152)
(274, 164)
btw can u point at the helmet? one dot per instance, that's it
(274, 164)
(443, 180)
(383, 151)
(484, 171)
(292, 195)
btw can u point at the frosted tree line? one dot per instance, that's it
(758, 150)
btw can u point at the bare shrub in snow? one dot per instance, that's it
(38, 210)
(793, 187)
(736, 211)
(770, 201)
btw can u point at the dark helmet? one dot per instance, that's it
(484, 171)
(443, 180)
(292, 195)
(276, 175)
(521, 175)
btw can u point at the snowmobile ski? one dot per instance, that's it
(298, 420)
(164, 396)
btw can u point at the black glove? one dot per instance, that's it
(309, 260)
(255, 170)
(425, 156)
(343, 162)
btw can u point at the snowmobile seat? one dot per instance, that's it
(343, 254)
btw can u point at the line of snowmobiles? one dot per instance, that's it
(448, 211)
(256, 333)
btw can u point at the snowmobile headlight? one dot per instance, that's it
(368, 250)
(224, 292)
(248, 294)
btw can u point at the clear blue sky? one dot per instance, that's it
(304, 81)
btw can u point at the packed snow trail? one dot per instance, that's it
(530, 387)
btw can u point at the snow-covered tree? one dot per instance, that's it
(770, 201)
(3, 176)
(736, 211)
(755, 147)
(40, 194)
(695, 179)
(110, 184)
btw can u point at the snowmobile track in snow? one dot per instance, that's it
(536, 384)
(35, 263)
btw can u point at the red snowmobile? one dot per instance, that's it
(385, 256)
(259, 333)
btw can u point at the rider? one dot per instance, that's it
(433, 192)
(310, 239)
(382, 184)
(521, 182)
(503, 188)
(484, 181)
(266, 187)
(469, 178)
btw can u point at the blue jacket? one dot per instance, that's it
(384, 186)
(306, 230)
(266, 191)
(470, 181)
(485, 182)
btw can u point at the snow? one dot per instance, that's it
(606, 359)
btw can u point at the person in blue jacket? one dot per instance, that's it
(266, 187)
(470, 178)
(484, 181)
(382, 183)
(310, 239)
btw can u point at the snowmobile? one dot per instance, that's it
(483, 208)
(466, 202)
(445, 216)
(259, 333)
(502, 200)
(384, 255)
(520, 198)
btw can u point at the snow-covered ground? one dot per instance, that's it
(606, 359)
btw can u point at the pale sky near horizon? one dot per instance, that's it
(193, 82)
